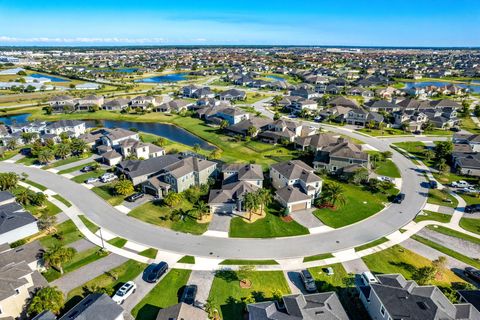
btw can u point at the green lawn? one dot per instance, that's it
(449, 252)
(66, 233)
(371, 244)
(271, 226)
(436, 196)
(27, 161)
(384, 132)
(125, 272)
(453, 233)
(62, 200)
(470, 199)
(359, 204)
(472, 225)
(35, 184)
(76, 168)
(79, 260)
(89, 224)
(83, 177)
(187, 260)
(400, 260)
(67, 161)
(49, 207)
(118, 242)
(165, 294)
(226, 293)
(318, 257)
(387, 168)
(107, 193)
(158, 214)
(149, 253)
(435, 216)
(339, 279)
(248, 262)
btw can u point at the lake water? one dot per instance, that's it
(276, 78)
(473, 88)
(52, 78)
(168, 131)
(174, 77)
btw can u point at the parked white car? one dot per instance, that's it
(460, 184)
(91, 180)
(108, 177)
(384, 178)
(124, 292)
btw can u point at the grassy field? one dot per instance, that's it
(68, 160)
(435, 216)
(187, 260)
(165, 294)
(317, 257)
(270, 226)
(76, 168)
(387, 168)
(384, 132)
(83, 177)
(149, 253)
(89, 224)
(107, 193)
(79, 260)
(62, 200)
(66, 233)
(49, 207)
(400, 260)
(436, 196)
(226, 294)
(248, 262)
(125, 272)
(35, 184)
(158, 214)
(371, 244)
(470, 199)
(339, 279)
(449, 252)
(472, 225)
(359, 204)
(415, 148)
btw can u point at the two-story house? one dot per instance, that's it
(340, 155)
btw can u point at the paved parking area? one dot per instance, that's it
(306, 219)
(132, 205)
(81, 245)
(355, 266)
(220, 222)
(463, 246)
(294, 281)
(203, 280)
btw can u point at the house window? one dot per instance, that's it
(382, 310)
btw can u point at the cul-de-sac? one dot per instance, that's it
(148, 178)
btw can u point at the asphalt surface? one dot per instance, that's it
(383, 223)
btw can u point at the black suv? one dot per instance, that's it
(156, 271)
(308, 281)
(399, 198)
(189, 294)
(88, 169)
(472, 208)
(134, 197)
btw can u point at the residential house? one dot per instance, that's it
(285, 130)
(300, 104)
(361, 117)
(144, 102)
(336, 113)
(176, 105)
(196, 92)
(15, 222)
(316, 142)
(342, 101)
(72, 128)
(62, 104)
(116, 104)
(232, 95)
(296, 184)
(88, 102)
(182, 311)
(243, 127)
(305, 93)
(316, 306)
(188, 172)
(341, 155)
(139, 171)
(393, 297)
(382, 105)
(95, 306)
(238, 180)
(232, 115)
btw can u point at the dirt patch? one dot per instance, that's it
(245, 284)
(287, 219)
(256, 215)
(205, 219)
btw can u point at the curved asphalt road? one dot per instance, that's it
(377, 226)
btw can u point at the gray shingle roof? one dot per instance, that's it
(95, 306)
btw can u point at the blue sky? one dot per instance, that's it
(300, 22)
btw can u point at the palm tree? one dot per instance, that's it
(251, 203)
(124, 187)
(333, 193)
(224, 124)
(12, 144)
(28, 137)
(201, 208)
(62, 150)
(264, 198)
(442, 165)
(45, 156)
(172, 199)
(196, 148)
(178, 214)
(8, 180)
(78, 146)
(47, 298)
(251, 131)
(24, 196)
(57, 255)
